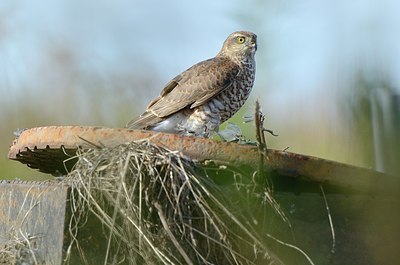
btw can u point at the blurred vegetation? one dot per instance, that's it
(65, 96)
(76, 99)
(372, 109)
(354, 118)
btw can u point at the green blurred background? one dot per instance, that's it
(327, 72)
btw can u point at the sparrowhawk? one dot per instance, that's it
(198, 100)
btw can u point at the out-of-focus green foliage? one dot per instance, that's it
(76, 100)
(372, 110)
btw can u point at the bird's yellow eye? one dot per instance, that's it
(240, 40)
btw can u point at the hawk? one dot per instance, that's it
(198, 100)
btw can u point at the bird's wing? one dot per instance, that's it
(195, 86)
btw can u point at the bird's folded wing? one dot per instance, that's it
(195, 86)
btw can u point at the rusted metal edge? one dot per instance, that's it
(64, 141)
(30, 183)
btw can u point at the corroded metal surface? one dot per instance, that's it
(46, 148)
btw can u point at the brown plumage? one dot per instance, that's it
(198, 100)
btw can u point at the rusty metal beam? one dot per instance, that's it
(46, 148)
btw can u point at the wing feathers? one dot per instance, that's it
(195, 86)
(192, 88)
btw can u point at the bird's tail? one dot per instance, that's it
(144, 121)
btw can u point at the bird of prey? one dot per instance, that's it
(198, 100)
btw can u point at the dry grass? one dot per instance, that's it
(156, 209)
(20, 249)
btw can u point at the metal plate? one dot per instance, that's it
(50, 149)
(32, 216)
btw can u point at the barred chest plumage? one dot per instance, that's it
(233, 99)
(206, 119)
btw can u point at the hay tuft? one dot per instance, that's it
(20, 250)
(157, 209)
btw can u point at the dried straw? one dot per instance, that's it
(158, 209)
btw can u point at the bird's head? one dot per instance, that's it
(240, 44)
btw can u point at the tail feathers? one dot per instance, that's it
(144, 121)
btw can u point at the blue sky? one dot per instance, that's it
(305, 41)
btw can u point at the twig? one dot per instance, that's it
(292, 246)
(98, 146)
(270, 132)
(261, 143)
(262, 146)
(285, 149)
(259, 123)
(333, 249)
(170, 235)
